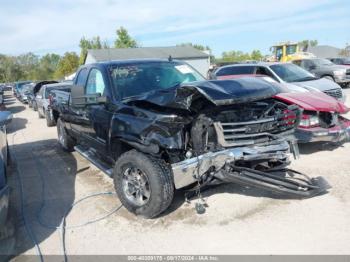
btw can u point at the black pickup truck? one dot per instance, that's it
(158, 125)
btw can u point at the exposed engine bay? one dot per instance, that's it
(247, 144)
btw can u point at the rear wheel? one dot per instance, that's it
(144, 184)
(49, 119)
(66, 141)
(39, 114)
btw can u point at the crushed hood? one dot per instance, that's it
(314, 101)
(218, 92)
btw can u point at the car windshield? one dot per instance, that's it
(20, 85)
(138, 78)
(235, 70)
(292, 73)
(346, 60)
(322, 62)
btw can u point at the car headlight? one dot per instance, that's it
(339, 72)
(308, 121)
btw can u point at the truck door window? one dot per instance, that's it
(306, 64)
(81, 78)
(95, 83)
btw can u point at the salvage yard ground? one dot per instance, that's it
(238, 220)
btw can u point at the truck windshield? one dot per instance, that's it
(292, 73)
(138, 78)
(322, 62)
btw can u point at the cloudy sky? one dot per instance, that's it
(56, 26)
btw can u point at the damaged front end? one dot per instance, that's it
(230, 137)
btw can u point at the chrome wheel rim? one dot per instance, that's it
(136, 186)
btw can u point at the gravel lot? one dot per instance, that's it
(238, 220)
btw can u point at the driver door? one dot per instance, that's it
(96, 116)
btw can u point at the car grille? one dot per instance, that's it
(336, 93)
(253, 132)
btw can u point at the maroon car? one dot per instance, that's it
(323, 117)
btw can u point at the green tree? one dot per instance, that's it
(197, 46)
(124, 40)
(256, 55)
(304, 44)
(235, 56)
(345, 51)
(93, 43)
(28, 63)
(67, 65)
(47, 66)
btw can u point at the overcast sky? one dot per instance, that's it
(57, 26)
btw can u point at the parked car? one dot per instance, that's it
(42, 101)
(324, 68)
(156, 125)
(345, 61)
(289, 75)
(18, 86)
(1, 94)
(34, 90)
(323, 118)
(6, 226)
(24, 91)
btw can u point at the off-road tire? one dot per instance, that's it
(49, 121)
(67, 143)
(160, 179)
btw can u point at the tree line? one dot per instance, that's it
(53, 66)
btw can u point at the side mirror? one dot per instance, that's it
(80, 99)
(5, 118)
(77, 95)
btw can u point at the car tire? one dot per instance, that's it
(153, 178)
(35, 107)
(49, 121)
(30, 105)
(66, 141)
(40, 115)
(329, 78)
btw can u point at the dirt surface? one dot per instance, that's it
(238, 220)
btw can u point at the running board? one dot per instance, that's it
(289, 185)
(91, 157)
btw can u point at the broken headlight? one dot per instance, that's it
(308, 121)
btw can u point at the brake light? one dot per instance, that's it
(50, 99)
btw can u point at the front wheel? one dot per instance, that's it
(144, 184)
(66, 141)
